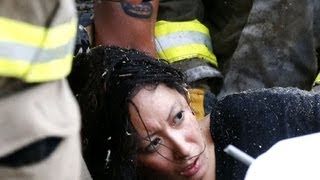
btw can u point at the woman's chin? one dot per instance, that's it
(197, 170)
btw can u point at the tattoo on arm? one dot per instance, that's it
(142, 11)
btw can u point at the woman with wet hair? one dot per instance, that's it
(138, 122)
(117, 76)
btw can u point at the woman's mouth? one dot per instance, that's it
(192, 169)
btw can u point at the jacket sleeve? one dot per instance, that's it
(37, 39)
(255, 120)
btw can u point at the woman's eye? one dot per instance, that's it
(153, 146)
(178, 118)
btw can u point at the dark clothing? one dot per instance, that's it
(258, 43)
(277, 47)
(200, 73)
(180, 10)
(254, 121)
(226, 20)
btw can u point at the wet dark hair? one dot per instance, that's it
(108, 77)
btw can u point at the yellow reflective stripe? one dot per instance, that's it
(317, 81)
(182, 38)
(25, 62)
(34, 53)
(176, 41)
(188, 51)
(167, 27)
(38, 72)
(28, 34)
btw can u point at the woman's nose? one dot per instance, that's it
(181, 148)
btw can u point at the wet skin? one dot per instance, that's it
(173, 145)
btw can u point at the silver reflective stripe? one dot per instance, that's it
(201, 72)
(29, 54)
(182, 38)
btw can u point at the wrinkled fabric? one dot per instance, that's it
(42, 119)
(253, 121)
(226, 19)
(199, 72)
(277, 47)
(258, 43)
(180, 10)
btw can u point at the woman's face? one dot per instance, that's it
(171, 144)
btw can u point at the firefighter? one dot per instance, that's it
(258, 44)
(39, 116)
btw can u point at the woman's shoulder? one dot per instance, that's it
(254, 120)
(277, 101)
(281, 110)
